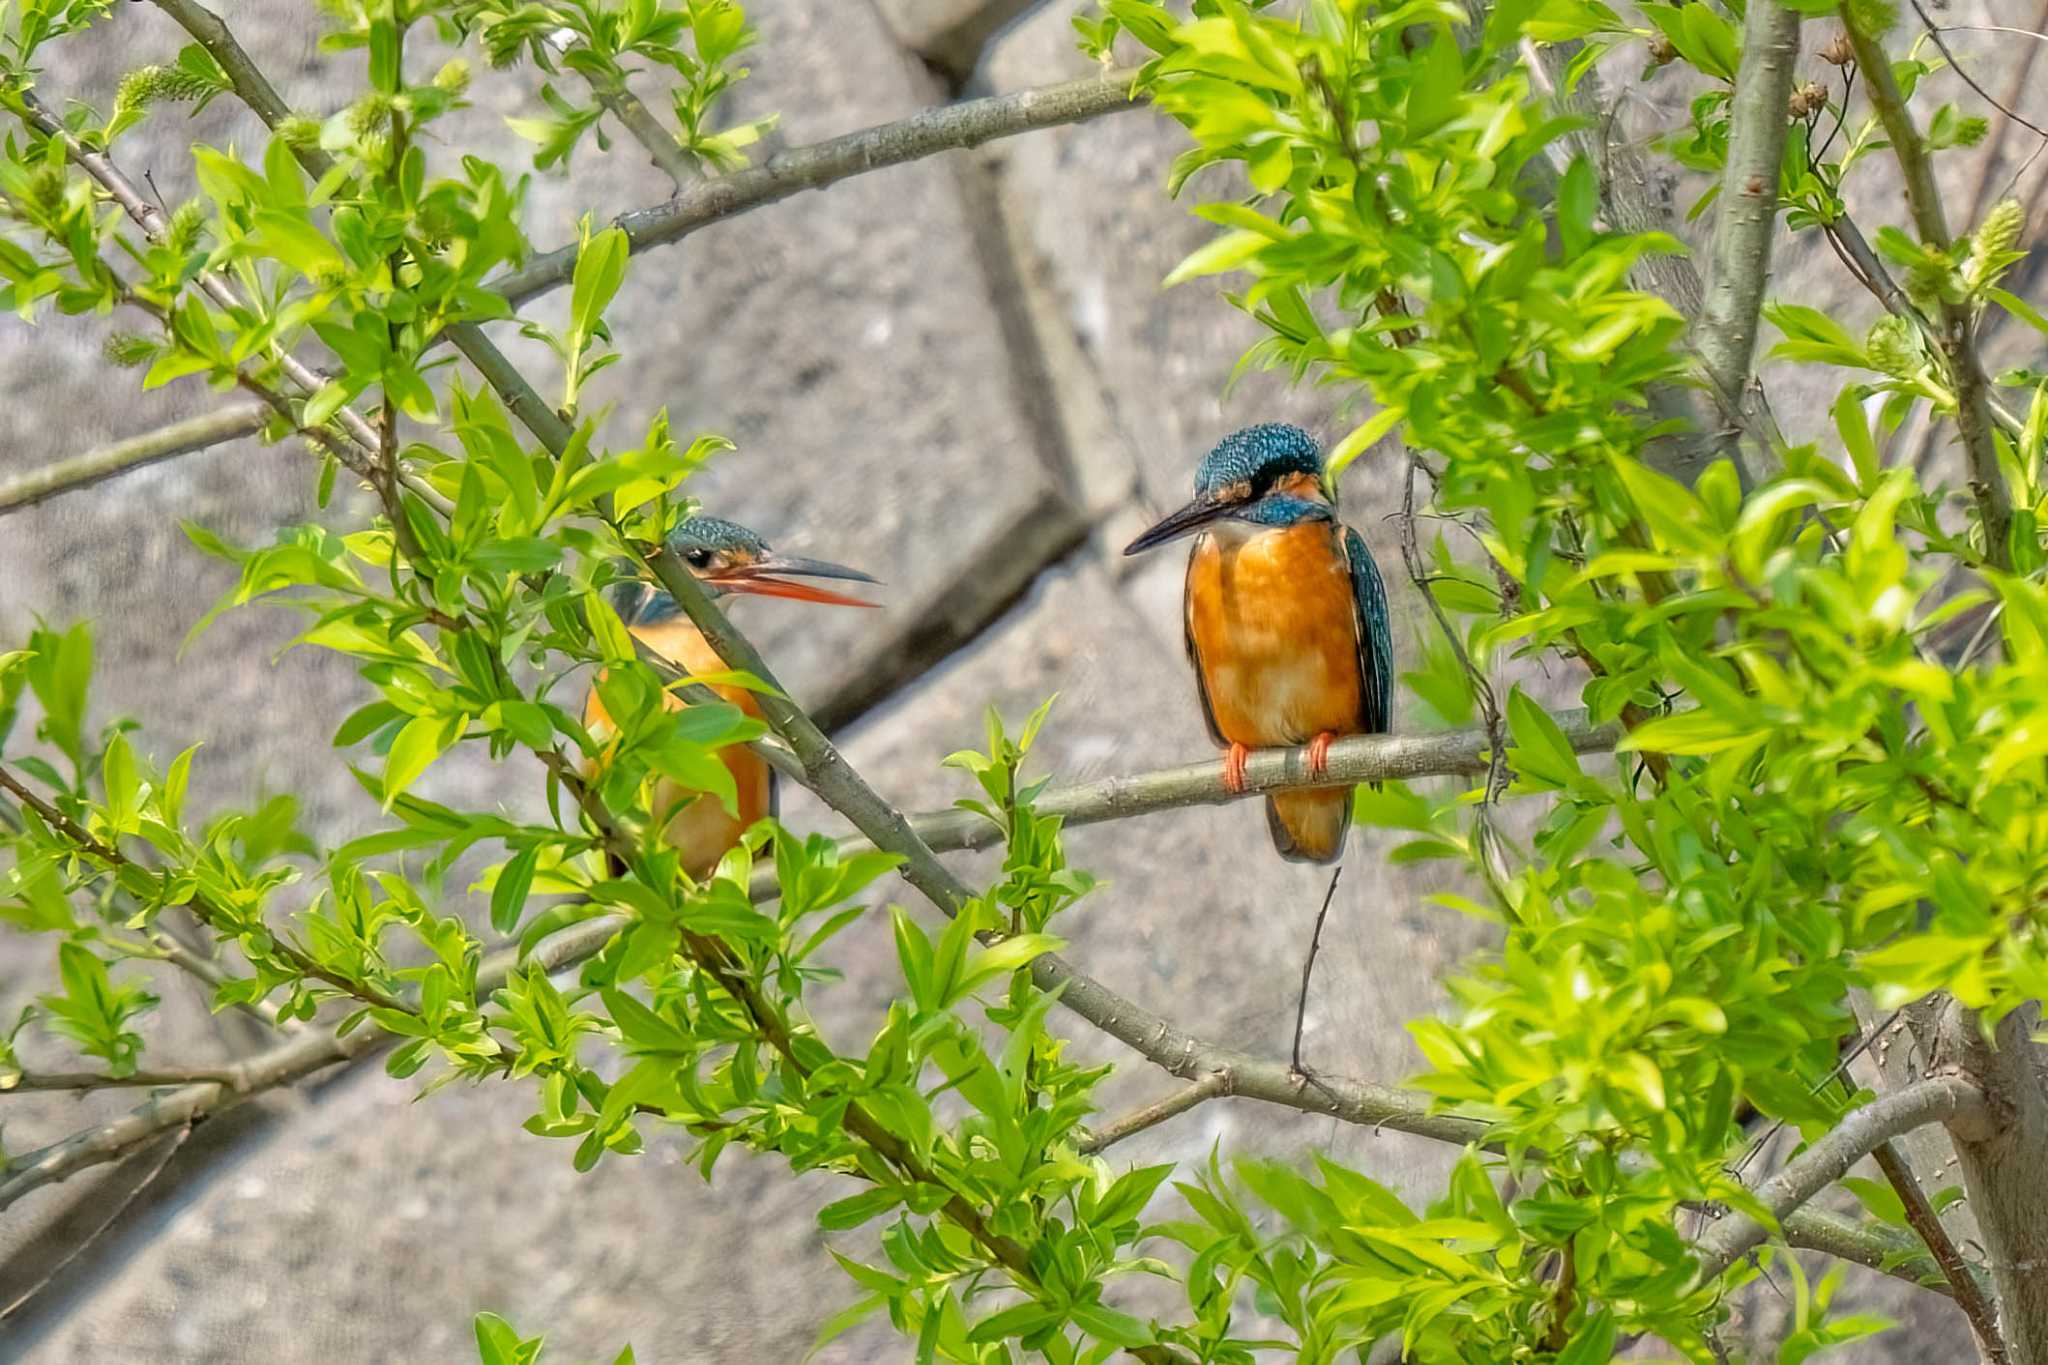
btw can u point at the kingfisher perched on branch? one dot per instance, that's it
(1286, 620)
(726, 558)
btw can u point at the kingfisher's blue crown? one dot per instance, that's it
(1259, 456)
(713, 534)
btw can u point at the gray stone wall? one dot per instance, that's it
(961, 375)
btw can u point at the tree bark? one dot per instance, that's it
(2004, 1163)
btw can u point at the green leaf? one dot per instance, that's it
(1541, 749)
(1228, 252)
(1592, 1344)
(1360, 439)
(600, 270)
(860, 1208)
(498, 1344)
(1689, 732)
(424, 739)
(1000, 959)
(508, 894)
(1107, 1324)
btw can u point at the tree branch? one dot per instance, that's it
(1740, 256)
(1955, 338)
(1943, 1099)
(1360, 758)
(210, 914)
(82, 1081)
(119, 457)
(1352, 760)
(1870, 1245)
(968, 123)
(662, 148)
(1152, 1115)
(1963, 1285)
(153, 224)
(114, 1139)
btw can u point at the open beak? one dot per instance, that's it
(1185, 522)
(760, 579)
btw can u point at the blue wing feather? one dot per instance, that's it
(1187, 621)
(1375, 636)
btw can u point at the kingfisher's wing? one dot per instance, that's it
(1375, 636)
(1187, 618)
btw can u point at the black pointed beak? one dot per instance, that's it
(1186, 521)
(766, 577)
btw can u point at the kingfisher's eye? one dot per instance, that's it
(698, 559)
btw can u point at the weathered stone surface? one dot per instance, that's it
(924, 368)
(847, 341)
(949, 34)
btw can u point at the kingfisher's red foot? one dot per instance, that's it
(1233, 769)
(1319, 755)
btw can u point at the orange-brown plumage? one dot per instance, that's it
(725, 559)
(1273, 630)
(1286, 619)
(702, 828)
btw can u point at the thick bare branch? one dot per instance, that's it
(1740, 257)
(1956, 336)
(279, 1066)
(119, 457)
(93, 1080)
(1943, 1099)
(968, 123)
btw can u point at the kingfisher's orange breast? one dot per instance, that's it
(701, 829)
(1274, 629)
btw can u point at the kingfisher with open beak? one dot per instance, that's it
(727, 559)
(1286, 619)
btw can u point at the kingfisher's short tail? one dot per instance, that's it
(1309, 826)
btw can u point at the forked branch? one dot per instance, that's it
(1956, 336)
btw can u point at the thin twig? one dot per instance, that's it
(637, 119)
(119, 457)
(1962, 1281)
(1167, 1107)
(210, 974)
(215, 919)
(1969, 80)
(1308, 968)
(1993, 150)
(1956, 340)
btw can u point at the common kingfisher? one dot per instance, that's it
(726, 558)
(1286, 619)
